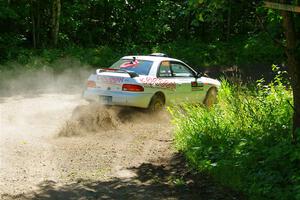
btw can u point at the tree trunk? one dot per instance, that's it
(38, 24)
(187, 25)
(33, 24)
(293, 66)
(228, 21)
(56, 6)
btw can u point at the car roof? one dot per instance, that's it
(151, 58)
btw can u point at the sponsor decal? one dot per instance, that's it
(153, 82)
(132, 63)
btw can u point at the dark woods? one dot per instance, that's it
(50, 23)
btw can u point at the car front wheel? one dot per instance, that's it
(211, 97)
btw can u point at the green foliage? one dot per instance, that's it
(110, 22)
(26, 59)
(238, 51)
(244, 140)
(224, 19)
(202, 33)
(102, 56)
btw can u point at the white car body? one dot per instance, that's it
(122, 88)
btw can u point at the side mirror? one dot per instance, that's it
(199, 74)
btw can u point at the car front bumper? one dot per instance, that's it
(120, 98)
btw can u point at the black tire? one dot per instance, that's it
(157, 103)
(211, 97)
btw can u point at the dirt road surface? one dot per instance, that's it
(56, 146)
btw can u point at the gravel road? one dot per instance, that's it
(59, 139)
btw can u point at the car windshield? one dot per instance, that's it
(141, 67)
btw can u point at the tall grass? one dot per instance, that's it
(244, 140)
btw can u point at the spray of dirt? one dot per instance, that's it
(95, 118)
(89, 119)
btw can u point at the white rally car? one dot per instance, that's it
(150, 82)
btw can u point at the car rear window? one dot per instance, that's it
(141, 67)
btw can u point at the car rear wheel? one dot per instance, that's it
(211, 97)
(157, 103)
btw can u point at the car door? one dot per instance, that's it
(166, 81)
(184, 78)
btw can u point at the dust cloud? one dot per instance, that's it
(63, 76)
(49, 133)
(52, 83)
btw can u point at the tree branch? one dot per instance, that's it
(276, 41)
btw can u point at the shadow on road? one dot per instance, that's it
(170, 181)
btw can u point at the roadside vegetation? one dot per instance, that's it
(244, 141)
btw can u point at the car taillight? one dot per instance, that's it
(91, 84)
(194, 84)
(132, 88)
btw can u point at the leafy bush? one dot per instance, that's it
(244, 140)
(101, 56)
(240, 51)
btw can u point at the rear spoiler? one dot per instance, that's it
(132, 74)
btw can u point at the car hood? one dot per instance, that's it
(210, 81)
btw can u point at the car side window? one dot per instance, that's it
(165, 69)
(180, 70)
